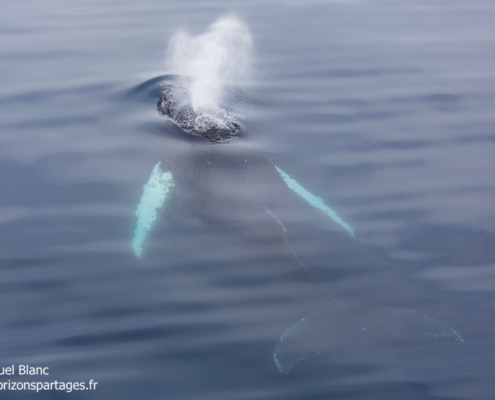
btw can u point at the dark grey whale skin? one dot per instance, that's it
(236, 191)
(235, 194)
(175, 103)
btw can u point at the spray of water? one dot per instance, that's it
(211, 61)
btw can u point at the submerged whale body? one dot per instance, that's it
(214, 125)
(252, 204)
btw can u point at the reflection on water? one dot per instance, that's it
(383, 111)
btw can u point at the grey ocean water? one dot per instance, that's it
(384, 109)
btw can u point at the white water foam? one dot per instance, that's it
(213, 60)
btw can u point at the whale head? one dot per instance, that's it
(215, 125)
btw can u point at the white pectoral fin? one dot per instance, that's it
(156, 193)
(315, 201)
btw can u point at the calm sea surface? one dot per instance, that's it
(383, 109)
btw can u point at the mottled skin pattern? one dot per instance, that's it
(214, 125)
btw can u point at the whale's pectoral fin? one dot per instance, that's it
(314, 201)
(156, 194)
(328, 326)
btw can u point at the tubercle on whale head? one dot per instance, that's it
(213, 125)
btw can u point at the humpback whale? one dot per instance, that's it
(243, 193)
